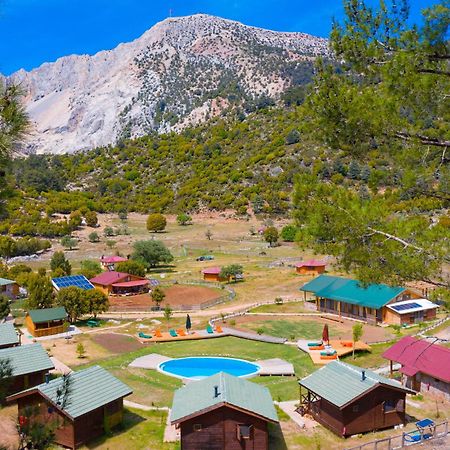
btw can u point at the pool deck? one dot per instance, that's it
(337, 345)
(269, 367)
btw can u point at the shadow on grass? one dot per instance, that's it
(276, 438)
(130, 420)
(168, 268)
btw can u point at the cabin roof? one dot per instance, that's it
(199, 396)
(112, 259)
(212, 270)
(311, 263)
(413, 305)
(341, 383)
(8, 335)
(416, 355)
(27, 359)
(352, 291)
(90, 389)
(109, 278)
(5, 282)
(47, 314)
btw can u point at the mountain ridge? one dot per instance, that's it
(179, 73)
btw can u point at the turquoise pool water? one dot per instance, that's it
(200, 367)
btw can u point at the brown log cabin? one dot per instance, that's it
(349, 400)
(29, 365)
(46, 322)
(223, 412)
(93, 405)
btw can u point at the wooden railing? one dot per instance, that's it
(399, 441)
(39, 332)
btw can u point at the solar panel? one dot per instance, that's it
(405, 306)
(79, 281)
(153, 282)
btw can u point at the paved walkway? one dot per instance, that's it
(27, 338)
(289, 408)
(60, 367)
(275, 366)
(151, 361)
(253, 336)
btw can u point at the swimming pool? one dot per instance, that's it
(197, 367)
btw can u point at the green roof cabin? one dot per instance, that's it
(93, 405)
(223, 412)
(9, 288)
(350, 400)
(8, 335)
(46, 322)
(29, 365)
(374, 303)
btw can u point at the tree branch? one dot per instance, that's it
(423, 139)
(433, 71)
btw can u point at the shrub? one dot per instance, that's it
(156, 222)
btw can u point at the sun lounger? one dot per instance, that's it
(173, 333)
(219, 329)
(144, 336)
(158, 334)
(347, 343)
(181, 332)
(328, 353)
(209, 330)
(319, 347)
(315, 344)
(328, 356)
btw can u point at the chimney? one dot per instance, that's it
(216, 391)
(47, 377)
(363, 375)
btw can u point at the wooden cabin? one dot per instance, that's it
(223, 412)
(409, 312)
(349, 400)
(8, 335)
(212, 274)
(93, 406)
(311, 267)
(120, 283)
(374, 303)
(47, 321)
(425, 366)
(29, 365)
(10, 288)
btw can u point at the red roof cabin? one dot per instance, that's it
(311, 267)
(120, 283)
(425, 366)
(109, 262)
(212, 274)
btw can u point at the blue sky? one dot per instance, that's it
(36, 31)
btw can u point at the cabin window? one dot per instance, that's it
(197, 426)
(244, 431)
(388, 406)
(355, 408)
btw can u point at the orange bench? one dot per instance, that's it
(181, 332)
(219, 329)
(319, 347)
(158, 334)
(328, 356)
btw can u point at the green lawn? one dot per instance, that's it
(288, 307)
(371, 359)
(151, 387)
(140, 430)
(292, 330)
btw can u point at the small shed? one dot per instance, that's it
(8, 335)
(29, 365)
(120, 283)
(93, 406)
(350, 400)
(46, 321)
(212, 273)
(223, 412)
(425, 365)
(10, 288)
(311, 267)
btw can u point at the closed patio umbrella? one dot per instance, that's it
(325, 334)
(188, 322)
